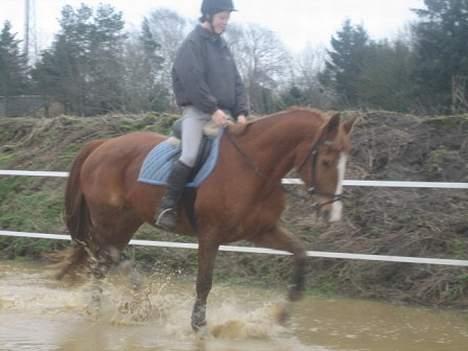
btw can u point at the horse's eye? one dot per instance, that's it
(326, 163)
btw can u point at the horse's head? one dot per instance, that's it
(321, 164)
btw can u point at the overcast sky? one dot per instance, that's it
(298, 22)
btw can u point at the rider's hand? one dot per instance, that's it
(219, 117)
(241, 119)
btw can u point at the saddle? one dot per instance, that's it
(210, 132)
(157, 164)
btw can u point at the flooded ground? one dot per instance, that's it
(38, 313)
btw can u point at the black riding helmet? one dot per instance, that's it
(212, 7)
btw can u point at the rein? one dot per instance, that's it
(311, 190)
(245, 156)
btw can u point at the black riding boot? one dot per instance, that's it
(166, 217)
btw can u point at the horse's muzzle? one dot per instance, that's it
(329, 209)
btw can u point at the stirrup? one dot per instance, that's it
(159, 222)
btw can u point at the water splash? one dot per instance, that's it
(152, 313)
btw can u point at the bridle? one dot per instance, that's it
(312, 154)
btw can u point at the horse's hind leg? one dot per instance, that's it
(281, 239)
(100, 261)
(111, 233)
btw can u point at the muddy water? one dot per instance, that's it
(37, 313)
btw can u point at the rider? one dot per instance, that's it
(206, 83)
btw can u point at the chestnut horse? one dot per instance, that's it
(242, 199)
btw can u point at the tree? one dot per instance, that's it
(53, 76)
(442, 53)
(168, 29)
(264, 64)
(106, 70)
(13, 64)
(343, 70)
(385, 80)
(144, 90)
(305, 87)
(83, 67)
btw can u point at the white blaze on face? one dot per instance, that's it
(337, 206)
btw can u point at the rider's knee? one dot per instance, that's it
(189, 160)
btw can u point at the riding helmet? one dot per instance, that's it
(212, 7)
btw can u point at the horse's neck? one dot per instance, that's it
(276, 141)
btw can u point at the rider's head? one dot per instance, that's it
(216, 14)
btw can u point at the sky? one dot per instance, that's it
(299, 23)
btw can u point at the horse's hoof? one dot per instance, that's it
(198, 326)
(295, 294)
(93, 308)
(281, 313)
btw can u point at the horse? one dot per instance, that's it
(242, 199)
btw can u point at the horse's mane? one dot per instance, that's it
(239, 129)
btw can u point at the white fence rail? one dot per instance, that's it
(257, 250)
(364, 183)
(230, 248)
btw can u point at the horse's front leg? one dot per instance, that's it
(281, 239)
(206, 258)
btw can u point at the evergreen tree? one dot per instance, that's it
(385, 81)
(154, 61)
(349, 47)
(293, 97)
(441, 48)
(150, 47)
(84, 66)
(56, 75)
(13, 64)
(106, 70)
(144, 88)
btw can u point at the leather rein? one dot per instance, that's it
(312, 155)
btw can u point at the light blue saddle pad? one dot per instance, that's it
(158, 163)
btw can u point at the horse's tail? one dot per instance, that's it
(76, 210)
(77, 217)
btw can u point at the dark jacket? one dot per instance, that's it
(205, 75)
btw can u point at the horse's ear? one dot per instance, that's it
(348, 125)
(330, 131)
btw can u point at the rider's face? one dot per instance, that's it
(220, 21)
